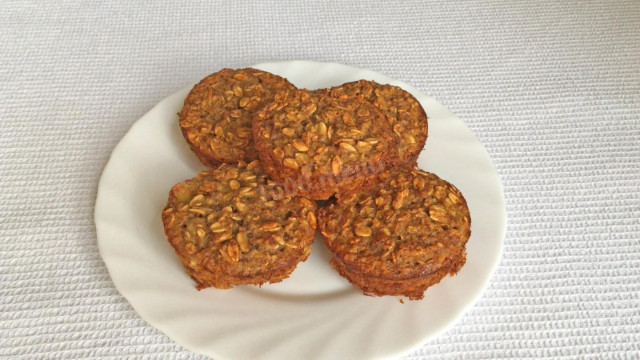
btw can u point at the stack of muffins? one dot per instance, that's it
(273, 150)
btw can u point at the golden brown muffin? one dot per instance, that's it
(404, 113)
(316, 145)
(398, 235)
(231, 225)
(217, 113)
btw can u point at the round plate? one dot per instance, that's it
(315, 313)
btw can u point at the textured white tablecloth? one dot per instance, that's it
(552, 90)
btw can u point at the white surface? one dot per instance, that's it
(550, 88)
(315, 314)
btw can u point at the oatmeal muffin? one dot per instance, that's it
(398, 236)
(231, 225)
(404, 113)
(217, 113)
(316, 145)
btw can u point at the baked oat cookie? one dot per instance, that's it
(316, 145)
(231, 225)
(217, 113)
(404, 113)
(400, 235)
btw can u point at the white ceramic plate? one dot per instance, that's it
(315, 313)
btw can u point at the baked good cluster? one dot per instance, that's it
(284, 162)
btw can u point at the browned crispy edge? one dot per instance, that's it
(413, 157)
(413, 288)
(321, 187)
(204, 158)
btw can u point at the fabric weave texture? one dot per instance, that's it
(552, 89)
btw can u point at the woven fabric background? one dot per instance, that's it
(552, 89)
